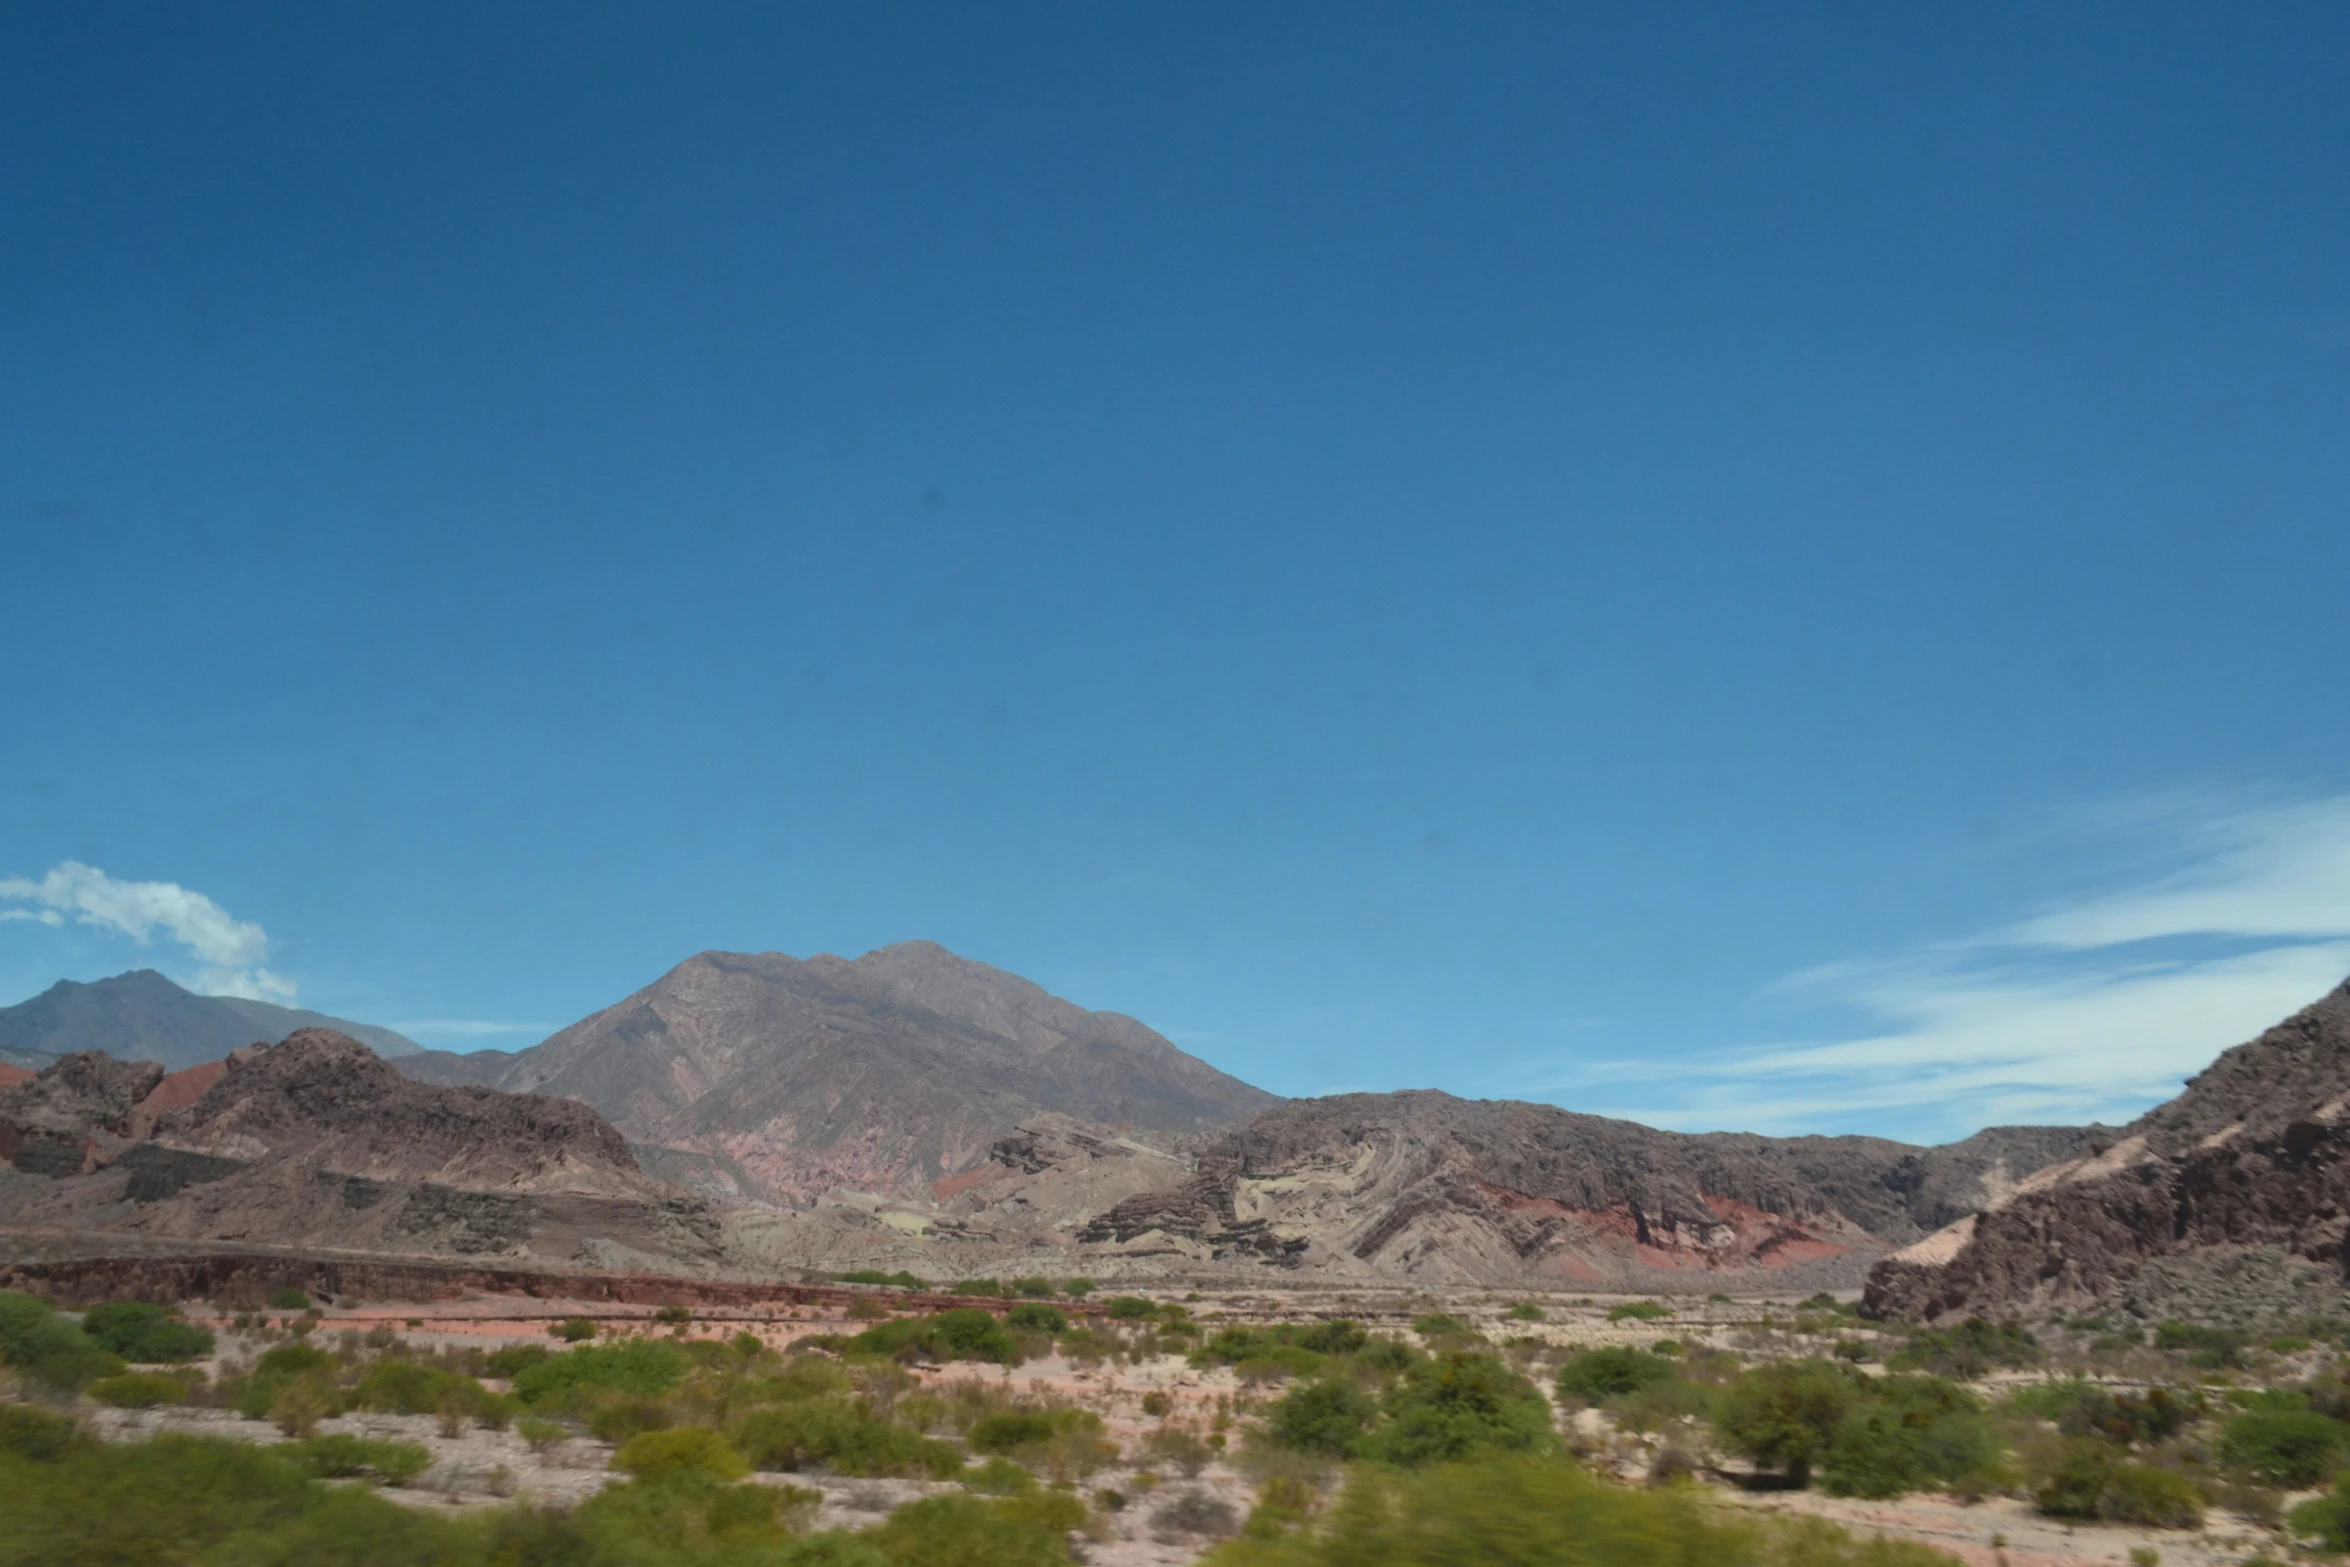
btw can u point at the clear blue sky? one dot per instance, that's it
(1749, 566)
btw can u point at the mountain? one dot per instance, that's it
(2231, 1201)
(319, 1143)
(141, 1016)
(884, 1074)
(1424, 1185)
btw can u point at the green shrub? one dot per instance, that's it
(674, 1316)
(1969, 1350)
(572, 1330)
(1033, 1288)
(902, 1279)
(1639, 1311)
(293, 1360)
(2292, 1448)
(695, 1448)
(1077, 1288)
(1784, 1415)
(2207, 1348)
(145, 1334)
(1912, 1433)
(1595, 1375)
(37, 1434)
(2089, 1480)
(1456, 1406)
(966, 1531)
(841, 1436)
(48, 1351)
(340, 1456)
(1131, 1308)
(1330, 1416)
(1035, 1316)
(2327, 1518)
(965, 1333)
(288, 1299)
(515, 1359)
(1440, 1325)
(1525, 1311)
(1006, 1431)
(994, 1287)
(998, 1477)
(638, 1366)
(138, 1390)
(1531, 1512)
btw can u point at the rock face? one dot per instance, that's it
(142, 1016)
(2246, 1175)
(886, 1074)
(319, 1143)
(1429, 1186)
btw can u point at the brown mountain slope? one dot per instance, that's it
(317, 1142)
(885, 1074)
(2231, 1200)
(1426, 1185)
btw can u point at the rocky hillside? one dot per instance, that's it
(2231, 1200)
(142, 1016)
(1429, 1186)
(886, 1074)
(317, 1142)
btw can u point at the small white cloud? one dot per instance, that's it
(231, 950)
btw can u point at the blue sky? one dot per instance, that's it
(1774, 568)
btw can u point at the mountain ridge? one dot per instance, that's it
(141, 1015)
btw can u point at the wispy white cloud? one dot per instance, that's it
(232, 951)
(2093, 1010)
(468, 1028)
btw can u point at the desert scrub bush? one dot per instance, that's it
(514, 1359)
(1186, 1452)
(635, 1366)
(1457, 1406)
(1130, 1308)
(1525, 1311)
(1784, 1415)
(289, 1298)
(1639, 1311)
(1967, 1351)
(841, 1437)
(965, 1333)
(1193, 1513)
(1035, 1316)
(1331, 1416)
(540, 1435)
(572, 1330)
(1913, 1433)
(1533, 1512)
(995, 1288)
(37, 1434)
(1077, 1288)
(46, 1350)
(2326, 1519)
(2292, 1448)
(1597, 1375)
(2206, 1348)
(875, 1276)
(2083, 1408)
(340, 1456)
(139, 1390)
(1029, 1530)
(659, 1454)
(2091, 1480)
(399, 1386)
(145, 1334)
(1439, 1324)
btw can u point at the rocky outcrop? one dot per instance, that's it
(319, 1143)
(2251, 1162)
(885, 1074)
(1426, 1185)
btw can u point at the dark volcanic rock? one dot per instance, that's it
(2253, 1158)
(885, 1074)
